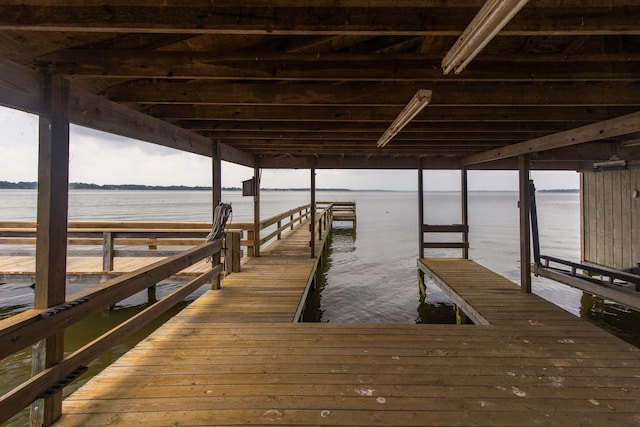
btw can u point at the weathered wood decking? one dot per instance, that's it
(241, 364)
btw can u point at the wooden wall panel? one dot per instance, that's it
(611, 218)
(599, 190)
(616, 220)
(635, 216)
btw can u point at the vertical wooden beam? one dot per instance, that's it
(107, 251)
(464, 204)
(256, 210)
(51, 243)
(313, 213)
(216, 198)
(525, 233)
(582, 219)
(420, 209)
(533, 220)
(233, 254)
(216, 171)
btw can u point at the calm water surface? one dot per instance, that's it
(370, 272)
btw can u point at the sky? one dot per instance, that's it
(101, 158)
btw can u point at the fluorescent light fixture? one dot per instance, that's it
(417, 103)
(631, 143)
(491, 18)
(611, 164)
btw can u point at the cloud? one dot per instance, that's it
(102, 158)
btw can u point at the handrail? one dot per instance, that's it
(114, 234)
(32, 326)
(120, 238)
(302, 212)
(270, 221)
(604, 271)
(446, 228)
(29, 327)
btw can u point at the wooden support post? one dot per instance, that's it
(465, 211)
(313, 212)
(233, 254)
(461, 317)
(420, 209)
(251, 238)
(533, 218)
(51, 243)
(107, 251)
(151, 294)
(216, 198)
(279, 233)
(256, 211)
(525, 232)
(421, 282)
(216, 172)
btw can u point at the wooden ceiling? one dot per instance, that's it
(301, 83)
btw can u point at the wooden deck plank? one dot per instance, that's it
(224, 360)
(282, 388)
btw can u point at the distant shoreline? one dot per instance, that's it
(6, 185)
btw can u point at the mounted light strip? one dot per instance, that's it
(631, 143)
(610, 164)
(491, 18)
(417, 103)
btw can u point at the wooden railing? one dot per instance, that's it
(324, 217)
(34, 325)
(343, 211)
(285, 221)
(454, 228)
(111, 239)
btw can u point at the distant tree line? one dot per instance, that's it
(6, 185)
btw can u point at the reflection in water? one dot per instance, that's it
(435, 312)
(323, 305)
(618, 320)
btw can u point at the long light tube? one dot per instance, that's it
(417, 103)
(491, 18)
(631, 143)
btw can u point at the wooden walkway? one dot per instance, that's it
(245, 363)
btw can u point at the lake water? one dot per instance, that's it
(370, 272)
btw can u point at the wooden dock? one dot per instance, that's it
(246, 363)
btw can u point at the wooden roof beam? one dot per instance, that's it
(612, 128)
(21, 88)
(411, 163)
(233, 128)
(376, 94)
(363, 114)
(325, 19)
(334, 67)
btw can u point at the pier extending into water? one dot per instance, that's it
(271, 287)
(101, 250)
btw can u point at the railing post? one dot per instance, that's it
(251, 238)
(313, 213)
(233, 253)
(464, 192)
(107, 251)
(525, 223)
(279, 224)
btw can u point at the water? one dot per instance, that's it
(370, 273)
